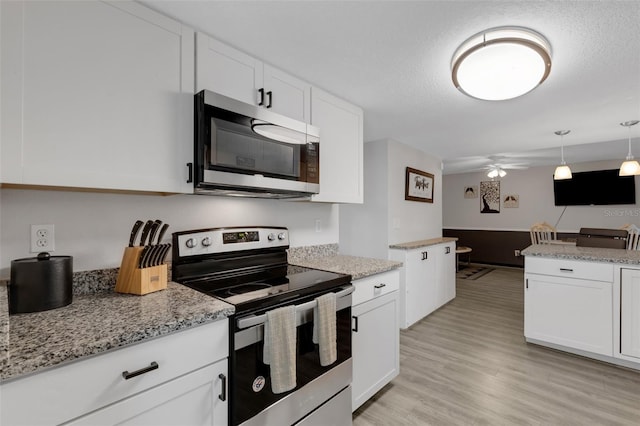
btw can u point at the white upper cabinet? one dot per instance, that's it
(341, 148)
(95, 95)
(230, 72)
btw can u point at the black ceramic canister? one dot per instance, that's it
(40, 283)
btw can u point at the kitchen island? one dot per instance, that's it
(584, 300)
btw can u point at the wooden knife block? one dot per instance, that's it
(134, 280)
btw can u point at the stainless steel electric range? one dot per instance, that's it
(247, 267)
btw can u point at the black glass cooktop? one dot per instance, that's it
(269, 287)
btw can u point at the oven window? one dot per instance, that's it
(247, 366)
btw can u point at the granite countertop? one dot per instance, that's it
(327, 258)
(594, 254)
(423, 243)
(97, 321)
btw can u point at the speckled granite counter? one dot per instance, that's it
(422, 243)
(326, 257)
(593, 254)
(98, 321)
(4, 325)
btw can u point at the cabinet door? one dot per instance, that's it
(630, 313)
(375, 346)
(95, 95)
(575, 313)
(193, 399)
(225, 70)
(341, 149)
(446, 274)
(289, 95)
(420, 285)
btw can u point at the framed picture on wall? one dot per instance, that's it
(511, 201)
(490, 196)
(471, 191)
(418, 186)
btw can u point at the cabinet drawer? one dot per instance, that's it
(75, 389)
(569, 268)
(375, 285)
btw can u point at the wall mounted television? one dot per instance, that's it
(597, 188)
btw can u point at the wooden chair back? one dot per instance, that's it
(633, 237)
(542, 233)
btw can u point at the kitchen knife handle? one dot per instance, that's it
(261, 99)
(153, 366)
(270, 95)
(134, 232)
(223, 393)
(154, 230)
(162, 232)
(145, 232)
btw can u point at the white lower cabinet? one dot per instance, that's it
(193, 399)
(427, 280)
(629, 303)
(183, 381)
(376, 335)
(571, 312)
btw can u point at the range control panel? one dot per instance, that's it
(224, 240)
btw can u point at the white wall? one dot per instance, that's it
(535, 188)
(94, 227)
(386, 217)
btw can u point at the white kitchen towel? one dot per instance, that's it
(324, 328)
(280, 348)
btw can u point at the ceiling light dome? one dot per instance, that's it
(501, 63)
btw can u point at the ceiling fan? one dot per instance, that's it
(510, 161)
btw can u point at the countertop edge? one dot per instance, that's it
(422, 243)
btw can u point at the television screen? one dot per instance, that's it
(601, 187)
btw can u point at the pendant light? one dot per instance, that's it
(630, 167)
(562, 171)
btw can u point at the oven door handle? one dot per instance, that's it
(260, 319)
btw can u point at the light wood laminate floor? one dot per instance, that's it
(468, 364)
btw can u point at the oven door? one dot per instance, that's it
(253, 403)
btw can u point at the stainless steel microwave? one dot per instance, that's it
(245, 150)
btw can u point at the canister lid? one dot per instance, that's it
(42, 257)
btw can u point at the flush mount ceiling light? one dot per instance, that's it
(630, 167)
(501, 63)
(562, 171)
(495, 172)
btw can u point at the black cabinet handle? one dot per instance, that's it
(447, 250)
(223, 394)
(425, 255)
(190, 167)
(380, 285)
(153, 366)
(526, 283)
(355, 329)
(270, 95)
(566, 270)
(261, 93)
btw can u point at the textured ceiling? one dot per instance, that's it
(393, 59)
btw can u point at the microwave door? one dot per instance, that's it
(237, 147)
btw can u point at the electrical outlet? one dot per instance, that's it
(42, 238)
(516, 252)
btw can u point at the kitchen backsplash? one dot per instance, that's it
(94, 228)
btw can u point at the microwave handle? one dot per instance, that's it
(260, 319)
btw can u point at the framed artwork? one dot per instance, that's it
(511, 201)
(471, 191)
(490, 196)
(418, 186)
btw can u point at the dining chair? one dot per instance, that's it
(542, 233)
(633, 237)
